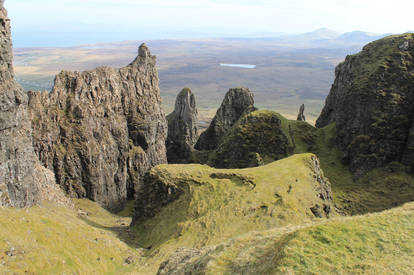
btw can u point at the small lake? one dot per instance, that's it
(246, 66)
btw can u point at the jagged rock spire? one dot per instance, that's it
(301, 116)
(143, 50)
(237, 102)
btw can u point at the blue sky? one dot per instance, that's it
(52, 22)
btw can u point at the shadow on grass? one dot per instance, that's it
(123, 232)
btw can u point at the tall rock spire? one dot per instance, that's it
(182, 128)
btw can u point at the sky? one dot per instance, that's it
(73, 22)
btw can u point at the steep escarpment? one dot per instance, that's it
(23, 181)
(237, 102)
(182, 128)
(101, 130)
(372, 104)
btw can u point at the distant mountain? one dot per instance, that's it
(327, 38)
(361, 37)
(322, 33)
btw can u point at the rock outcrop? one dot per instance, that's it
(101, 130)
(372, 104)
(256, 137)
(237, 102)
(301, 116)
(182, 128)
(20, 182)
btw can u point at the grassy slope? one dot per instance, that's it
(380, 243)
(51, 240)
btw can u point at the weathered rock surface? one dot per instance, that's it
(372, 104)
(301, 116)
(237, 102)
(182, 128)
(101, 130)
(20, 183)
(256, 137)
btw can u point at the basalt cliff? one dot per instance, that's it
(100, 131)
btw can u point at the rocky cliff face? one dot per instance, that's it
(237, 102)
(372, 104)
(182, 128)
(20, 183)
(101, 130)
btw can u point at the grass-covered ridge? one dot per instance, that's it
(217, 204)
(380, 243)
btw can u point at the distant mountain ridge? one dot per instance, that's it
(327, 38)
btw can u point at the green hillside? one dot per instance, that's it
(379, 243)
